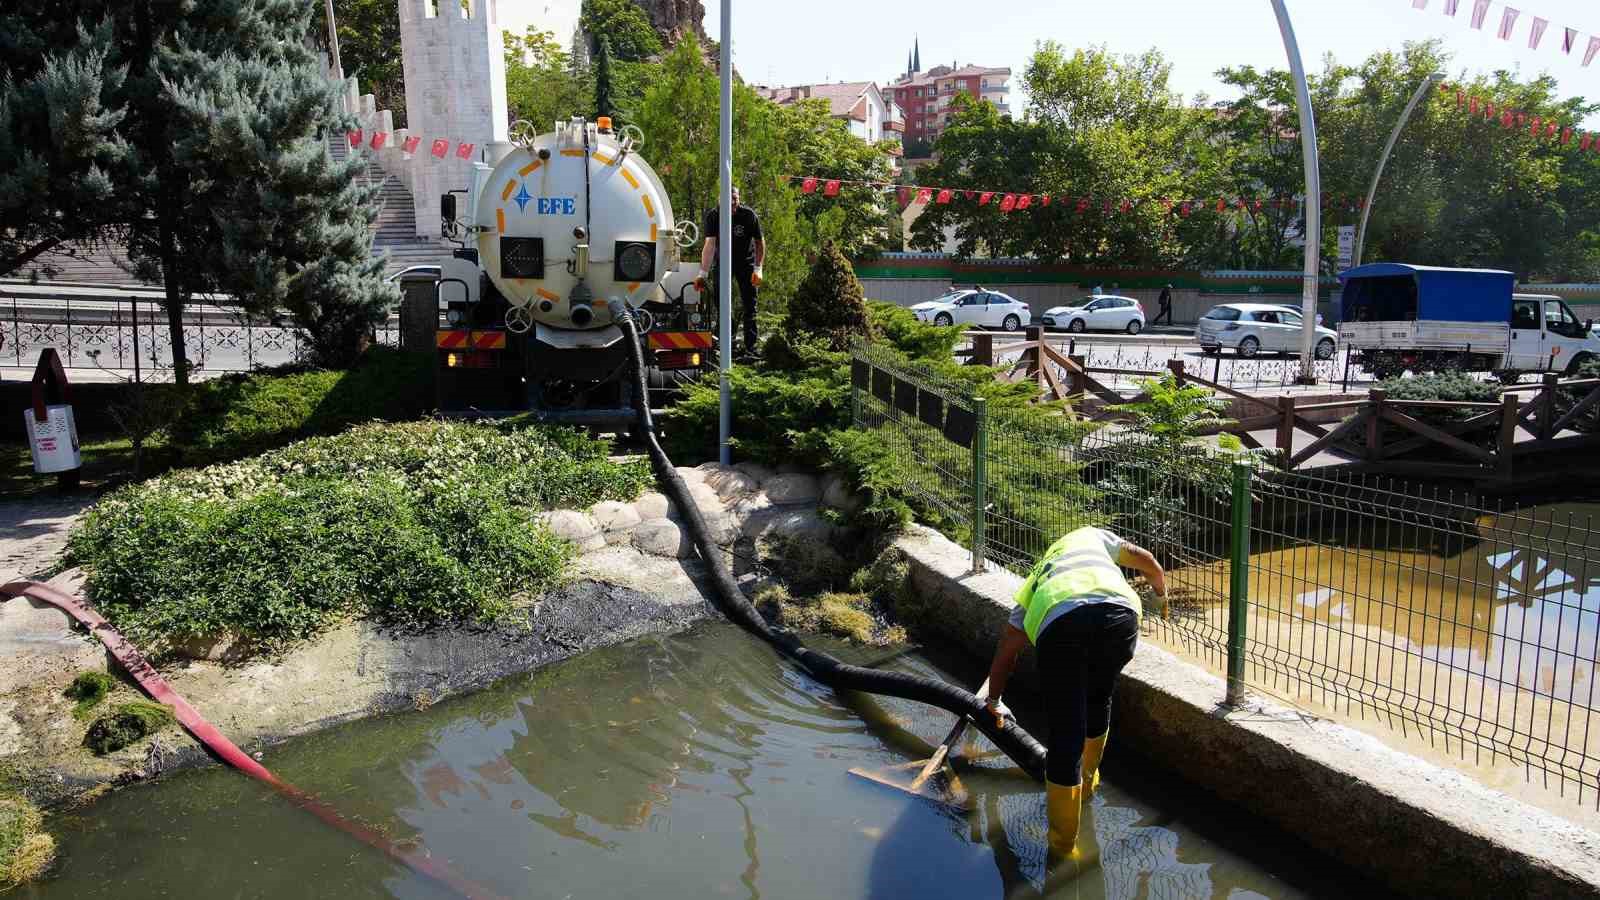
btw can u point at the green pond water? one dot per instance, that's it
(693, 765)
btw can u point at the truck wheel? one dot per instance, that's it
(1249, 347)
(1578, 362)
(1384, 373)
(943, 319)
(1508, 376)
(1325, 348)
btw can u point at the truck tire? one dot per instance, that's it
(1508, 376)
(1579, 362)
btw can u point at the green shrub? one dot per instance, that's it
(89, 688)
(1442, 386)
(25, 851)
(828, 302)
(127, 723)
(412, 525)
(236, 415)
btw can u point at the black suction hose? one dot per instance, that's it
(1012, 739)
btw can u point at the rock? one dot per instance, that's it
(663, 537)
(617, 520)
(692, 476)
(756, 471)
(574, 526)
(791, 489)
(711, 467)
(652, 506)
(836, 493)
(798, 543)
(731, 484)
(750, 505)
(791, 469)
(705, 497)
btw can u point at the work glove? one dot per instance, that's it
(999, 710)
(700, 283)
(757, 277)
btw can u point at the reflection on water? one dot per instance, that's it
(688, 766)
(1518, 605)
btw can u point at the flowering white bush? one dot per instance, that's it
(412, 524)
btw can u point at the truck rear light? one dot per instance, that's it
(475, 359)
(677, 359)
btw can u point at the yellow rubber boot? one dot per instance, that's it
(1064, 806)
(1094, 749)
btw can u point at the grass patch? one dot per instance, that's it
(237, 415)
(410, 524)
(89, 688)
(129, 722)
(25, 850)
(106, 461)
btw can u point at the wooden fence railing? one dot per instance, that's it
(1360, 438)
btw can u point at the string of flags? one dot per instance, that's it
(1510, 119)
(1507, 25)
(1016, 201)
(439, 149)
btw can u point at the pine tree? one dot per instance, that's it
(829, 301)
(604, 103)
(226, 185)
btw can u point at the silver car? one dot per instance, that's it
(1253, 328)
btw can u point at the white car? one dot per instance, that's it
(1253, 328)
(1106, 312)
(975, 307)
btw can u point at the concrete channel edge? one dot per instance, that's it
(1400, 820)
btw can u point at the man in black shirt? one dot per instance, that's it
(749, 253)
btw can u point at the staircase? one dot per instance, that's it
(395, 230)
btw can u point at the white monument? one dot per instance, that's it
(455, 73)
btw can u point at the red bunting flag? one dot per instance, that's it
(1126, 207)
(1536, 32)
(379, 138)
(924, 195)
(1488, 110)
(831, 189)
(439, 148)
(1239, 204)
(1255, 205)
(1450, 7)
(1550, 130)
(1508, 22)
(1461, 100)
(1184, 209)
(1590, 51)
(1507, 120)
(354, 137)
(1583, 144)
(1522, 119)
(1008, 202)
(985, 197)
(1569, 40)
(1166, 204)
(944, 195)
(1472, 106)
(464, 151)
(1222, 205)
(969, 194)
(904, 194)
(410, 144)
(1566, 135)
(1480, 10)
(1024, 201)
(1083, 205)
(1045, 200)
(1536, 127)
(808, 185)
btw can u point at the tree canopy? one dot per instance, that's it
(1107, 134)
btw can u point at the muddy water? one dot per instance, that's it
(694, 765)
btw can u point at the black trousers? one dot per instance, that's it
(745, 286)
(1166, 313)
(1080, 656)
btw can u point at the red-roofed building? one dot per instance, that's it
(925, 96)
(870, 115)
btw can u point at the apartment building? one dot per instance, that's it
(924, 97)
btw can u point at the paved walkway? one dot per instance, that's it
(33, 532)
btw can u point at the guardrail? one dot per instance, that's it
(1473, 626)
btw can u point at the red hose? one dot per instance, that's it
(206, 733)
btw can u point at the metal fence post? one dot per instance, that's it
(1238, 582)
(980, 486)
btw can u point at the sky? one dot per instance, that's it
(782, 43)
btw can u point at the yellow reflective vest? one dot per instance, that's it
(1075, 571)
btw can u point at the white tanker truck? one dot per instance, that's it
(558, 231)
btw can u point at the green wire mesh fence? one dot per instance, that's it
(1473, 629)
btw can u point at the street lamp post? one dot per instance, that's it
(1366, 210)
(724, 261)
(1313, 205)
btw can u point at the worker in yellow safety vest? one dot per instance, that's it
(1082, 618)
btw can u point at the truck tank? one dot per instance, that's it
(563, 229)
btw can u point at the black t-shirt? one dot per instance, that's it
(746, 231)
